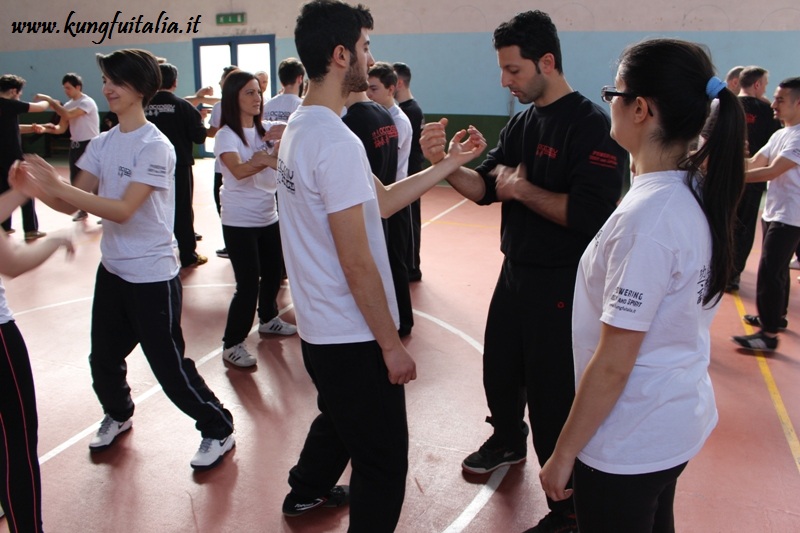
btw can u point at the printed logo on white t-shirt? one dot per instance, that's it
(124, 172)
(156, 170)
(702, 282)
(285, 176)
(626, 300)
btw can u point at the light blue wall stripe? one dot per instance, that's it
(454, 72)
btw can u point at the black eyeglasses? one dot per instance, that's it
(609, 91)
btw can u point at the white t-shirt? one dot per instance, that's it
(280, 107)
(647, 270)
(248, 202)
(783, 193)
(139, 250)
(5, 312)
(323, 169)
(404, 132)
(86, 126)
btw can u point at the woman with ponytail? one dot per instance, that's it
(646, 293)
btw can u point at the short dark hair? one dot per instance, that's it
(322, 26)
(792, 84)
(750, 75)
(384, 72)
(11, 81)
(134, 68)
(73, 79)
(231, 111)
(289, 69)
(403, 72)
(534, 33)
(227, 70)
(169, 75)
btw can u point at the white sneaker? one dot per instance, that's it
(239, 356)
(795, 264)
(211, 451)
(109, 429)
(277, 327)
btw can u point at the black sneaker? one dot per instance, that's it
(337, 497)
(555, 522)
(490, 457)
(755, 320)
(757, 341)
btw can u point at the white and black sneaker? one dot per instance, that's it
(109, 429)
(277, 326)
(211, 452)
(337, 497)
(239, 356)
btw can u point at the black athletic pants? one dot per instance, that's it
(20, 483)
(184, 215)
(362, 419)
(125, 314)
(528, 357)
(29, 220)
(772, 286)
(613, 503)
(397, 238)
(257, 262)
(747, 221)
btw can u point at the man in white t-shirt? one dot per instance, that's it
(331, 206)
(382, 82)
(80, 115)
(281, 106)
(778, 163)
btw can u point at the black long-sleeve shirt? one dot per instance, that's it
(566, 148)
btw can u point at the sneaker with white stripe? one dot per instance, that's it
(239, 356)
(757, 341)
(278, 327)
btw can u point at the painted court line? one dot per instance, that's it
(774, 393)
(137, 400)
(482, 498)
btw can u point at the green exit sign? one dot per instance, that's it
(231, 18)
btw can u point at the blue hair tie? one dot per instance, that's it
(714, 86)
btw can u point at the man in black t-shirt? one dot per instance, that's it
(558, 174)
(413, 111)
(11, 144)
(373, 124)
(183, 125)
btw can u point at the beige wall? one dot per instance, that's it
(396, 17)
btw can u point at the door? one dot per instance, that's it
(251, 53)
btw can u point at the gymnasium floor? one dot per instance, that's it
(746, 479)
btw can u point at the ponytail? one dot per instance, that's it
(720, 187)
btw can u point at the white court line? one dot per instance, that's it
(443, 213)
(89, 298)
(479, 501)
(482, 498)
(138, 400)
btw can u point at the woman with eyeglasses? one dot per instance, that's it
(646, 292)
(249, 215)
